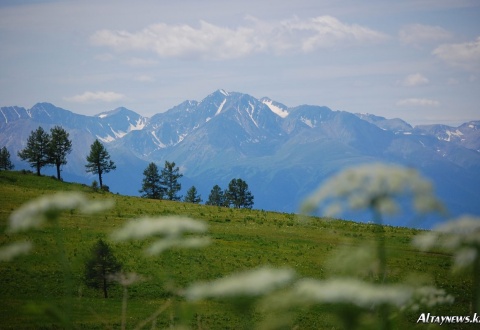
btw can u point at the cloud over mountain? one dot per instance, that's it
(210, 41)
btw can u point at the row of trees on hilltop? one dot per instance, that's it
(47, 149)
(164, 185)
(44, 149)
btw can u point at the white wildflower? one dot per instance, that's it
(351, 291)
(35, 212)
(13, 250)
(429, 296)
(161, 226)
(374, 185)
(172, 242)
(252, 283)
(460, 236)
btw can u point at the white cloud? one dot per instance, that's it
(466, 55)
(418, 102)
(415, 79)
(418, 34)
(96, 96)
(209, 41)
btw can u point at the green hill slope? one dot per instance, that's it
(38, 289)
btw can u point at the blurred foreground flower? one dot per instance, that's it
(251, 283)
(352, 292)
(34, 213)
(376, 186)
(460, 236)
(10, 251)
(171, 230)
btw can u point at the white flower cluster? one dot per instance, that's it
(373, 185)
(460, 236)
(171, 231)
(429, 296)
(34, 213)
(10, 251)
(351, 291)
(251, 283)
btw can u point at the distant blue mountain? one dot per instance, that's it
(283, 153)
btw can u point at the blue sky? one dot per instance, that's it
(416, 60)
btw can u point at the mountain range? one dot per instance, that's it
(283, 153)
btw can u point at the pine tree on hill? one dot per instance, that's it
(216, 196)
(151, 187)
(5, 162)
(98, 161)
(100, 267)
(193, 196)
(60, 146)
(169, 181)
(36, 151)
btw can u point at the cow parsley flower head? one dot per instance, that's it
(171, 226)
(251, 283)
(13, 250)
(34, 213)
(171, 231)
(460, 236)
(375, 186)
(351, 292)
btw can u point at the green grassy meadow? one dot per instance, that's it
(36, 290)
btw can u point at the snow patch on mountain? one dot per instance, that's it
(456, 133)
(308, 122)
(275, 109)
(220, 107)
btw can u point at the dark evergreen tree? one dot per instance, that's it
(238, 194)
(193, 196)
(99, 161)
(5, 162)
(169, 181)
(216, 196)
(100, 267)
(36, 151)
(60, 146)
(151, 187)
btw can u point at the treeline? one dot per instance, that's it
(44, 149)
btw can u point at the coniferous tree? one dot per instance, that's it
(151, 187)
(99, 161)
(169, 181)
(238, 194)
(193, 196)
(100, 267)
(216, 196)
(5, 162)
(60, 146)
(36, 151)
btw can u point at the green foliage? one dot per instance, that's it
(5, 162)
(169, 181)
(238, 194)
(216, 196)
(59, 147)
(36, 150)
(151, 187)
(101, 267)
(192, 196)
(98, 161)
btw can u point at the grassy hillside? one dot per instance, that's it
(32, 287)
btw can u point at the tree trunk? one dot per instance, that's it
(58, 171)
(105, 294)
(38, 169)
